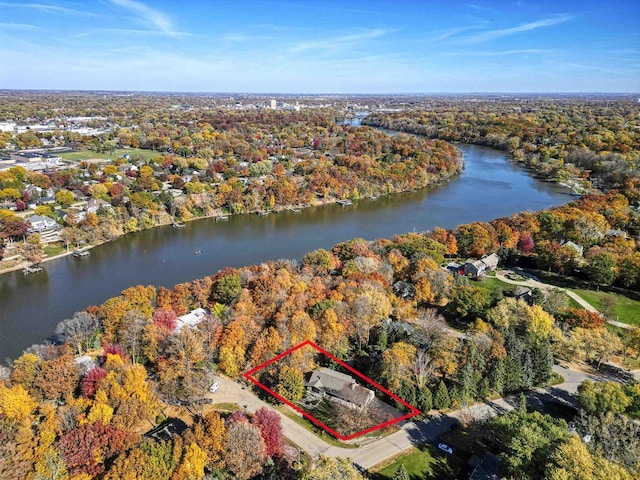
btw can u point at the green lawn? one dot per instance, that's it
(494, 284)
(626, 309)
(420, 464)
(87, 154)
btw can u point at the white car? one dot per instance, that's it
(445, 448)
(213, 388)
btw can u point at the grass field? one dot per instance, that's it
(87, 154)
(420, 464)
(493, 284)
(626, 309)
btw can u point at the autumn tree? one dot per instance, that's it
(329, 468)
(210, 433)
(270, 426)
(91, 381)
(573, 460)
(397, 364)
(57, 378)
(87, 447)
(245, 450)
(290, 384)
(192, 464)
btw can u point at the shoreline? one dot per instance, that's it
(218, 213)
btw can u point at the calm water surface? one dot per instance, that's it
(30, 307)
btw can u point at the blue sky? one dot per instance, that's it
(321, 46)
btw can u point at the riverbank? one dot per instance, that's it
(164, 256)
(219, 213)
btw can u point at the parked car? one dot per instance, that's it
(445, 448)
(213, 388)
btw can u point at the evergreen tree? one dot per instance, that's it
(513, 374)
(407, 392)
(483, 389)
(425, 400)
(527, 371)
(542, 357)
(441, 400)
(497, 377)
(401, 473)
(467, 385)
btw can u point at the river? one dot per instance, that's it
(30, 307)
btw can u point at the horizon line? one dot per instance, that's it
(382, 94)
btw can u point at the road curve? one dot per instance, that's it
(411, 433)
(501, 275)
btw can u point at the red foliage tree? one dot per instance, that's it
(165, 319)
(238, 416)
(90, 381)
(87, 448)
(584, 319)
(526, 244)
(270, 427)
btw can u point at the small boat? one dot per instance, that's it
(178, 225)
(197, 252)
(222, 218)
(80, 253)
(295, 210)
(345, 203)
(263, 213)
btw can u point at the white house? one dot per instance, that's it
(94, 204)
(191, 319)
(40, 223)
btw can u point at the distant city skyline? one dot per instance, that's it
(329, 46)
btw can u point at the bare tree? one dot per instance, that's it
(78, 331)
(430, 328)
(423, 368)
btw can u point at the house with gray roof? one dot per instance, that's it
(41, 223)
(339, 387)
(477, 268)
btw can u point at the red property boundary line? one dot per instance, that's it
(247, 375)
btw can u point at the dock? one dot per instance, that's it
(222, 218)
(80, 253)
(31, 269)
(177, 225)
(345, 203)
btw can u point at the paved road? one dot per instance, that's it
(534, 283)
(412, 433)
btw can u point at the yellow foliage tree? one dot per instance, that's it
(192, 464)
(396, 363)
(16, 403)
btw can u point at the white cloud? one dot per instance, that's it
(148, 15)
(338, 42)
(506, 32)
(19, 26)
(46, 8)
